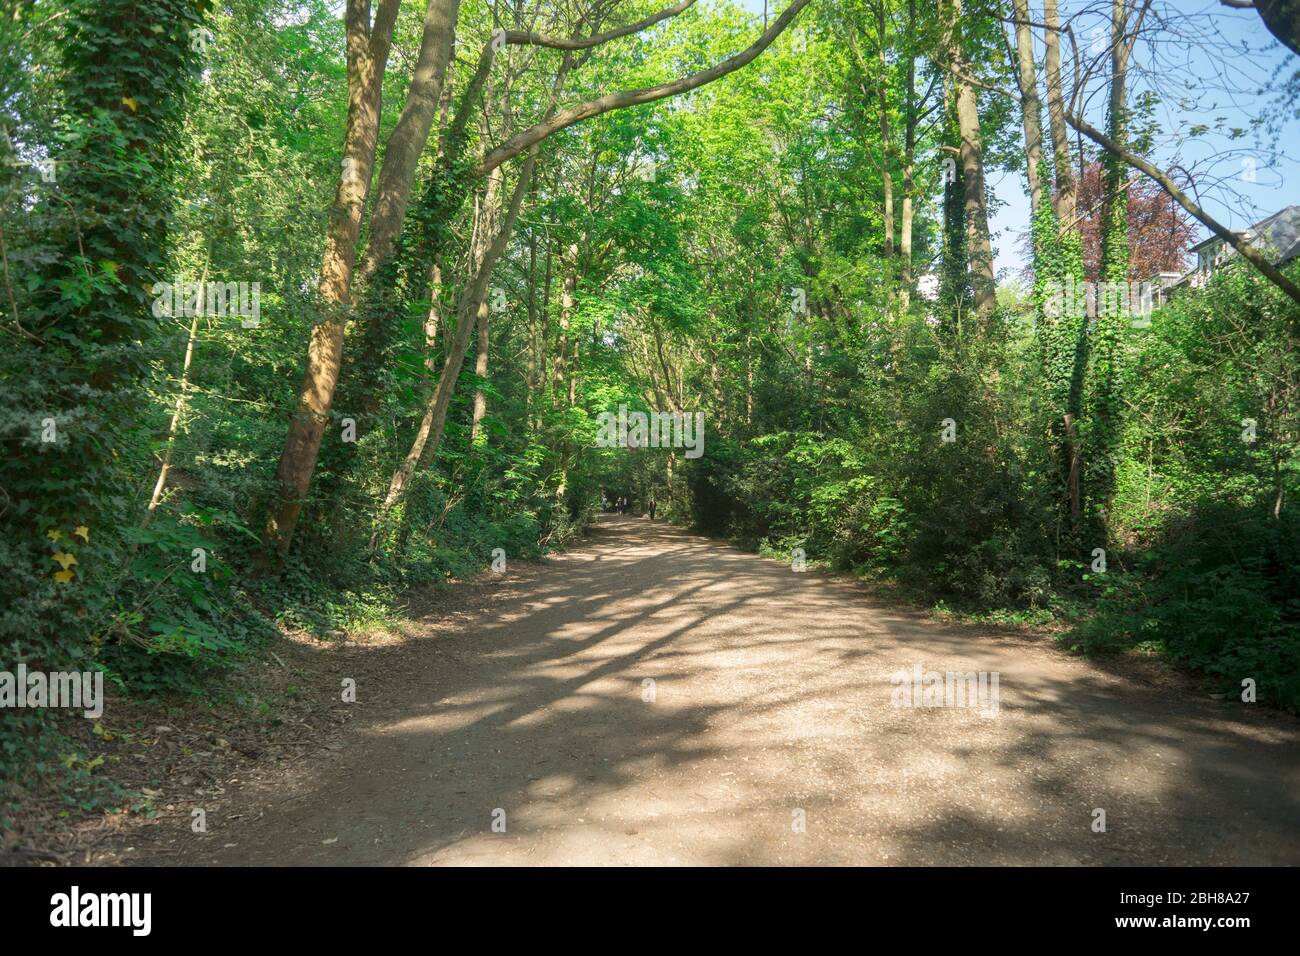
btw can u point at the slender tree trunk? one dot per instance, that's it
(156, 498)
(570, 265)
(173, 430)
(1058, 335)
(574, 368)
(565, 362)
(544, 333)
(433, 318)
(1279, 486)
(954, 278)
(481, 370)
(530, 378)
(749, 379)
(1067, 357)
(1114, 215)
(484, 231)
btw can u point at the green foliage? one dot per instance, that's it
(1216, 592)
(87, 251)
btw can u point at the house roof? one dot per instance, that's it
(1279, 233)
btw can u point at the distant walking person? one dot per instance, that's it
(652, 509)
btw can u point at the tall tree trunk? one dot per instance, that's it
(530, 378)
(1114, 215)
(1067, 356)
(367, 56)
(544, 332)
(979, 245)
(954, 277)
(1112, 312)
(411, 133)
(749, 379)
(1062, 159)
(574, 367)
(886, 143)
(89, 353)
(173, 429)
(486, 215)
(1030, 107)
(909, 166)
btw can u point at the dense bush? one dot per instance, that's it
(1200, 540)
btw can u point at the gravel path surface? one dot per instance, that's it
(768, 736)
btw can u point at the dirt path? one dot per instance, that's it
(772, 695)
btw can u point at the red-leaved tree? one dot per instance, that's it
(1159, 231)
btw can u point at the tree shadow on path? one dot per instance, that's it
(655, 697)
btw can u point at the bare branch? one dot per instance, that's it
(615, 101)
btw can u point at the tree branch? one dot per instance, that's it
(560, 43)
(1249, 252)
(615, 101)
